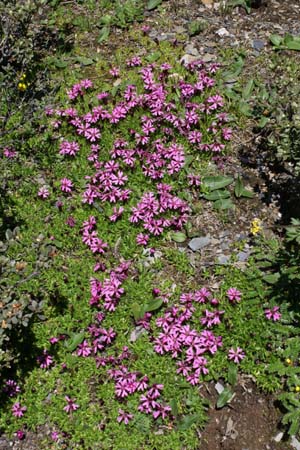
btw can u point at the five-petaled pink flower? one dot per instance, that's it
(273, 313)
(124, 416)
(71, 405)
(18, 410)
(43, 193)
(66, 185)
(234, 295)
(236, 355)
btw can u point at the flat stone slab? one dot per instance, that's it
(198, 243)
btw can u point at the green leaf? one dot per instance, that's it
(236, 69)
(246, 193)
(153, 57)
(276, 40)
(263, 122)
(217, 195)
(247, 91)
(224, 398)
(272, 278)
(223, 204)
(238, 187)
(244, 108)
(187, 421)
(103, 35)
(138, 311)
(75, 339)
(217, 182)
(84, 61)
(153, 305)
(174, 407)
(152, 4)
(232, 374)
(293, 45)
(178, 237)
(60, 63)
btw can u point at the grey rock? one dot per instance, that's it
(186, 59)
(278, 437)
(258, 44)
(223, 259)
(191, 50)
(179, 29)
(208, 57)
(199, 243)
(295, 443)
(243, 256)
(219, 388)
(225, 245)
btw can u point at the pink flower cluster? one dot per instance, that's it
(110, 290)
(152, 208)
(179, 339)
(90, 236)
(153, 145)
(79, 89)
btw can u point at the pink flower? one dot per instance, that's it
(43, 193)
(234, 295)
(66, 185)
(124, 417)
(114, 72)
(18, 410)
(273, 314)
(20, 434)
(45, 360)
(11, 388)
(9, 153)
(142, 239)
(71, 406)
(236, 355)
(84, 349)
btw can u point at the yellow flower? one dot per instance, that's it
(288, 361)
(255, 226)
(22, 86)
(23, 76)
(297, 388)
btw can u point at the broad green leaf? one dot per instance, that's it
(75, 339)
(223, 204)
(224, 398)
(232, 374)
(276, 40)
(179, 237)
(246, 193)
(263, 121)
(293, 45)
(244, 108)
(152, 4)
(238, 187)
(236, 69)
(153, 305)
(153, 57)
(174, 407)
(60, 63)
(84, 61)
(138, 311)
(187, 421)
(217, 182)
(103, 35)
(217, 195)
(247, 91)
(106, 19)
(272, 278)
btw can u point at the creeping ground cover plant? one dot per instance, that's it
(122, 360)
